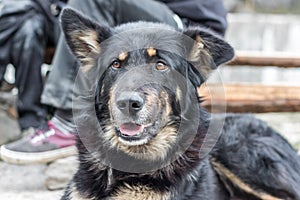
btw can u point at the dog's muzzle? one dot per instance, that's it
(129, 103)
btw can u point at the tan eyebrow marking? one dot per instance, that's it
(151, 51)
(199, 42)
(123, 56)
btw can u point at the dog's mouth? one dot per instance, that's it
(133, 134)
(131, 130)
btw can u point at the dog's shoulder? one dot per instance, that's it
(252, 158)
(73, 193)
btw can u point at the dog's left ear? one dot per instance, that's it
(83, 36)
(208, 50)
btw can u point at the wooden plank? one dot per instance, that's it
(260, 58)
(251, 98)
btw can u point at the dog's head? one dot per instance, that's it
(148, 83)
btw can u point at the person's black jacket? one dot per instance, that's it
(208, 13)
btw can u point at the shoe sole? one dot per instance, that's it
(14, 157)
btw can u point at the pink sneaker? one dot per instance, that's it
(40, 147)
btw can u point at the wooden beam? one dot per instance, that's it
(251, 98)
(260, 58)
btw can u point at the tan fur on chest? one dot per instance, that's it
(139, 193)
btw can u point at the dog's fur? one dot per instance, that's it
(249, 160)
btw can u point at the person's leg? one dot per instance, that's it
(59, 84)
(45, 143)
(144, 10)
(63, 121)
(116, 12)
(27, 56)
(5, 47)
(2, 72)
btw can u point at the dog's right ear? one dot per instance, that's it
(83, 36)
(207, 50)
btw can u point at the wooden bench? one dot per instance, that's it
(251, 98)
(258, 58)
(255, 98)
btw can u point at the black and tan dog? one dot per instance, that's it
(142, 132)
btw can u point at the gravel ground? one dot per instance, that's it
(37, 195)
(25, 182)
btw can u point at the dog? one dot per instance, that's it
(142, 133)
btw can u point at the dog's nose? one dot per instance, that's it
(130, 102)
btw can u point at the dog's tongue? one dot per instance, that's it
(130, 129)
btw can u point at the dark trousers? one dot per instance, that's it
(58, 89)
(25, 50)
(29, 48)
(26, 27)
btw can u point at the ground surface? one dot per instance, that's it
(29, 182)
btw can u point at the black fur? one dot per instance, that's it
(247, 147)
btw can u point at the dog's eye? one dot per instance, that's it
(116, 64)
(160, 65)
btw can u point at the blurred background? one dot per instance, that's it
(264, 79)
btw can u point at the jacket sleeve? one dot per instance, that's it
(208, 13)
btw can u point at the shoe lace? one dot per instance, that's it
(40, 135)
